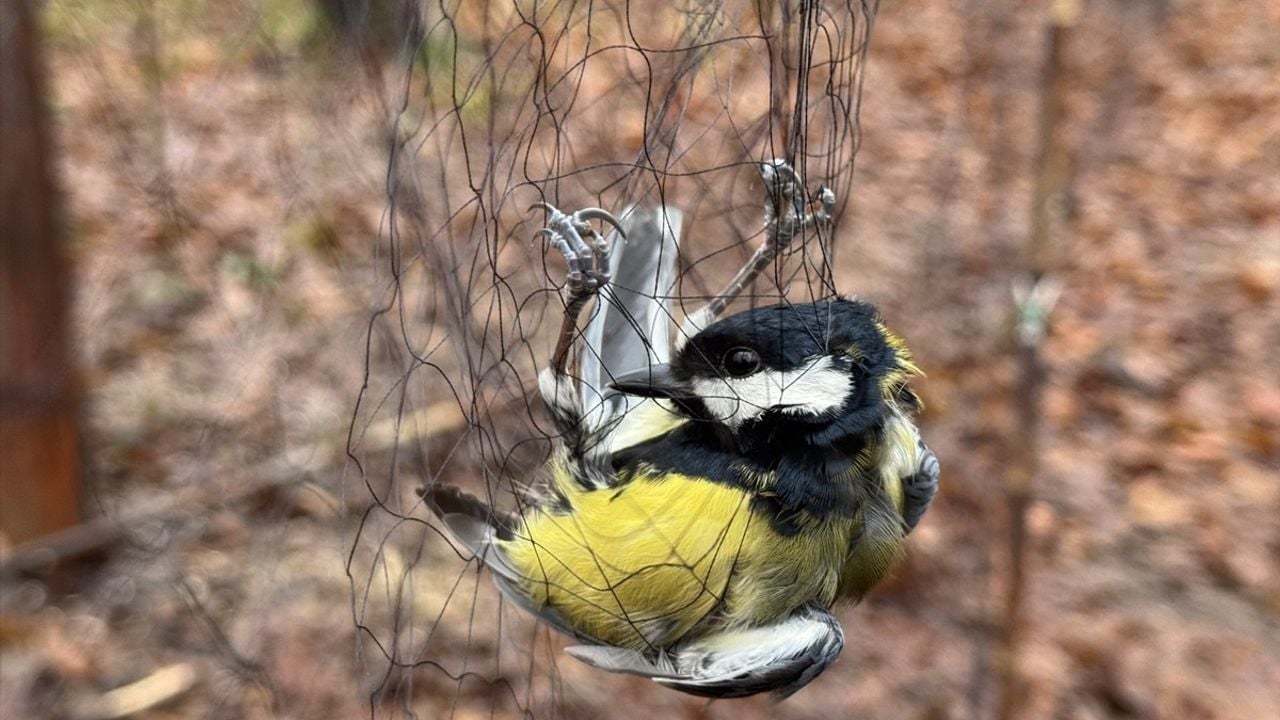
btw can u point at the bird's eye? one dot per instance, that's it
(741, 361)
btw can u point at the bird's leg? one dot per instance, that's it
(587, 254)
(785, 216)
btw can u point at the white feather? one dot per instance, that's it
(733, 653)
(559, 393)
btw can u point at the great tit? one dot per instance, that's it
(708, 501)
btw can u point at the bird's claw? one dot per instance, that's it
(785, 204)
(584, 248)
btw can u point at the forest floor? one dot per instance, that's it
(221, 211)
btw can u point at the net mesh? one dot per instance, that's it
(493, 107)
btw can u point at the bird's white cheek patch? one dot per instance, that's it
(816, 387)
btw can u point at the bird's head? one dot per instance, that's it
(816, 372)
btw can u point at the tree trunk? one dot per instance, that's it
(39, 455)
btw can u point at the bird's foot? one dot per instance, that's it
(583, 247)
(786, 207)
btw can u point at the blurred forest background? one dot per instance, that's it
(224, 192)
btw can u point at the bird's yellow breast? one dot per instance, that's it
(641, 565)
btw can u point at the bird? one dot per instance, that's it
(709, 500)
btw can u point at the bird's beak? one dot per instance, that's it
(655, 381)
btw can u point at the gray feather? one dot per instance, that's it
(630, 327)
(779, 659)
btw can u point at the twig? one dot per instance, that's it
(1033, 303)
(158, 688)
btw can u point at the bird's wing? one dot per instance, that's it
(919, 488)
(630, 327)
(479, 528)
(779, 658)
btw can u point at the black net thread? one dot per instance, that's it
(495, 106)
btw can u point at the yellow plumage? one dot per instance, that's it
(642, 564)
